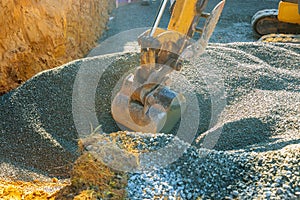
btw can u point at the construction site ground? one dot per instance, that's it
(255, 156)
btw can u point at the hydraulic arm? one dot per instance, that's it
(145, 102)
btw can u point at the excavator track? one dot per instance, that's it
(282, 38)
(266, 22)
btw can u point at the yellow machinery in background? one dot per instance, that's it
(279, 25)
(289, 12)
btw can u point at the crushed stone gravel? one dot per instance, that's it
(255, 156)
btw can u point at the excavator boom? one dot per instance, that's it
(145, 102)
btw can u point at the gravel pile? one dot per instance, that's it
(222, 175)
(202, 173)
(256, 153)
(198, 173)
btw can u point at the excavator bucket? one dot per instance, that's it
(145, 102)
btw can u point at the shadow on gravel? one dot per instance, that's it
(244, 133)
(251, 134)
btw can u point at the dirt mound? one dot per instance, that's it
(90, 175)
(39, 35)
(30, 190)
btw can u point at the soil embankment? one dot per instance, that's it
(39, 35)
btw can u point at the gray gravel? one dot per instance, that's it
(256, 153)
(222, 175)
(206, 173)
(256, 140)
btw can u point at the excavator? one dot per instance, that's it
(145, 102)
(278, 25)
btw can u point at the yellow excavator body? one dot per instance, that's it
(182, 16)
(278, 25)
(288, 12)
